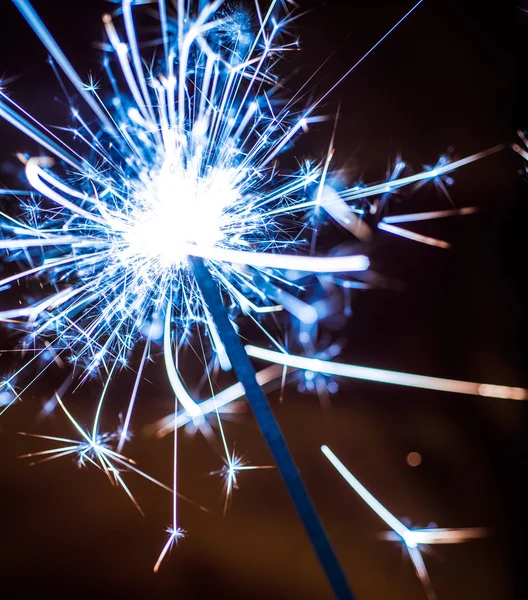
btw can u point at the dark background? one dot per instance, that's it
(450, 76)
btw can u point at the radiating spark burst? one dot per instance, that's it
(92, 448)
(182, 163)
(412, 538)
(233, 465)
(172, 156)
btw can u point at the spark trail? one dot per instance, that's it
(412, 538)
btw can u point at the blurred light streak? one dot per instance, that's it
(384, 376)
(412, 538)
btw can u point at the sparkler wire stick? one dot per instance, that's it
(271, 431)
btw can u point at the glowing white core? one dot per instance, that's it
(175, 208)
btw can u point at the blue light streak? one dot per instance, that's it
(412, 538)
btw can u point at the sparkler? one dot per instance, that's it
(164, 214)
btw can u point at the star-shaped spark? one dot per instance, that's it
(233, 465)
(91, 448)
